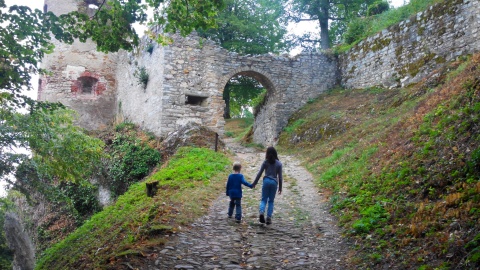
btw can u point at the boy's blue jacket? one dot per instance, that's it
(234, 185)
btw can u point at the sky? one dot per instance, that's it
(38, 4)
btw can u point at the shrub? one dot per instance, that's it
(377, 8)
(371, 218)
(356, 30)
(132, 157)
(83, 198)
(150, 48)
(142, 75)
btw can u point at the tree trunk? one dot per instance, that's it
(226, 97)
(323, 20)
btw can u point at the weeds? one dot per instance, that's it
(202, 174)
(142, 76)
(404, 177)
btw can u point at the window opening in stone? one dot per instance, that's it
(195, 100)
(45, 8)
(87, 84)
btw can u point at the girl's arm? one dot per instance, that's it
(259, 174)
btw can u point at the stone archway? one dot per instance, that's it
(264, 131)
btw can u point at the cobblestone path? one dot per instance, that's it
(303, 234)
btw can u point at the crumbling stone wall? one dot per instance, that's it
(187, 79)
(407, 52)
(18, 240)
(81, 78)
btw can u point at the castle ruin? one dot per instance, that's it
(186, 79)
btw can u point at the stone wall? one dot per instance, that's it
(187, 78)
(81, 78)
(407, 52)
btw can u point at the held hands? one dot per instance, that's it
(279, 192)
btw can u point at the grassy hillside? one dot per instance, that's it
(137, 224)
(401, 168)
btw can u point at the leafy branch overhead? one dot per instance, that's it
(60, 149)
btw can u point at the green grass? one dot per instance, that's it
(374, 24)
(192, 175)
(239, 128)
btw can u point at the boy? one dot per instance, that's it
(234, 190)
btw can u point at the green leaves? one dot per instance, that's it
(59, 148)
(240, 93)
(132, 158)
(249, 27)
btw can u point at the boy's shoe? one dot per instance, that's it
(261, 218)
(229, 216)
(269, 220)
(238, 220)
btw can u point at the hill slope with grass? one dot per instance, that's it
(401, 168)
(136, 225)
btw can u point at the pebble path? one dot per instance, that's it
(303, 234)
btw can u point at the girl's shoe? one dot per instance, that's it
(269, 220)
(261, 218)
(238, 220)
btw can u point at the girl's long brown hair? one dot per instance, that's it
(271, 155)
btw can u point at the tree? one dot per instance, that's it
(241, 92)
(60, 149)
(248, 27)
(331, 15)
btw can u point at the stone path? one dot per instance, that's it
(303, 234)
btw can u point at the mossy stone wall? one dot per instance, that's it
(407, 52)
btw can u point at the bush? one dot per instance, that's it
(150, 48)
(356, 30)
(142, 76)
(377, 8)
(372, 217)
(83, 198)
(132, 158)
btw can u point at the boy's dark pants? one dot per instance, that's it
(235, 203)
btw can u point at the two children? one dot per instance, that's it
(234, 191)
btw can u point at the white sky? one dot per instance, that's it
(38, 4)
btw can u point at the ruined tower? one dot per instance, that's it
(80, 77)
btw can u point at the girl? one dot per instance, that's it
(272, 179)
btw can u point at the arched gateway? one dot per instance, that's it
(187, 79)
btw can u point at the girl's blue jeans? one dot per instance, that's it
(269, 189)
(237, 204)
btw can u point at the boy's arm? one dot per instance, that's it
(227, 186)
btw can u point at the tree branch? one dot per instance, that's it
(98, 10)
(336, 19)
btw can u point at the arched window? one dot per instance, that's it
(87, 84)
